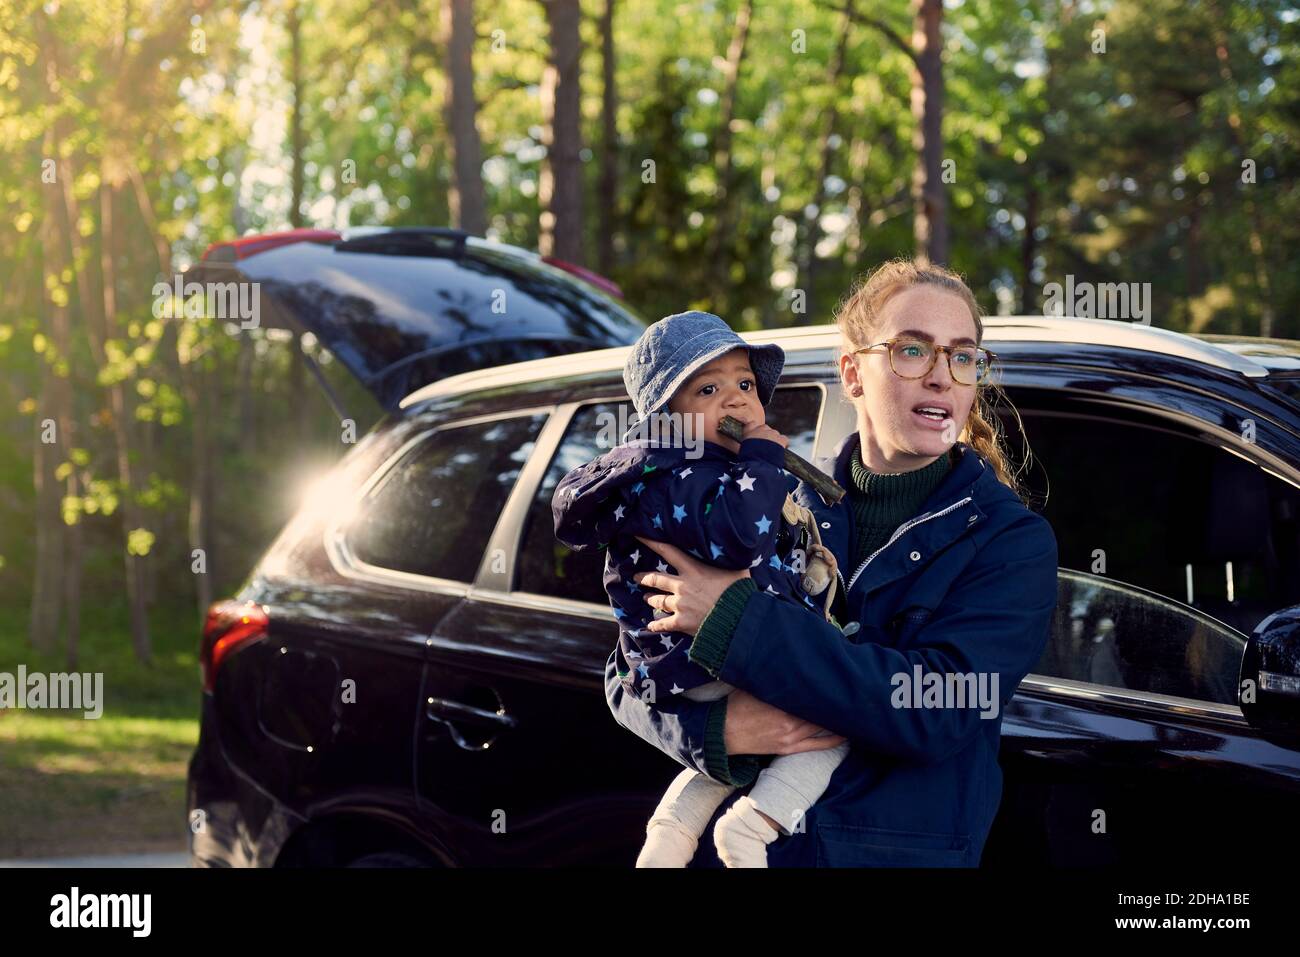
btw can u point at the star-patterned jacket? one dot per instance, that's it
(724, 509)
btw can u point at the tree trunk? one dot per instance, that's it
(201, 486)
(72, 581)
(122, 417)
(295, 114)
(812, 231)
(98, 314)
(194, 383)
(859, 161)
(55, 404)
(930, 222)
(468, 207)
(43, 626)
(608, 189)
(1255, 236)
(244, 386)
(720, 238)
(560, 186)
(296, 365)
(1029, 251)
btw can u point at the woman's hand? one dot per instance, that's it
(753, 726)
(756, 727)
(692, 592)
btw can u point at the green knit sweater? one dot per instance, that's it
(880, 504)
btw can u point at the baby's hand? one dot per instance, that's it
(764, 431)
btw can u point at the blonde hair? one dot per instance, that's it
(858, 315)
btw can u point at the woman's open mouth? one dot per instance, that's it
(933, 415)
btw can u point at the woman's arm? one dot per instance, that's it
(994, 621)
(690, 732)
(725, 739)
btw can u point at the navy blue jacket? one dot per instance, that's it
(723, 509)
(967, 586)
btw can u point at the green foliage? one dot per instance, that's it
(1122, 165)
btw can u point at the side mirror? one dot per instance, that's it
(1269, 685)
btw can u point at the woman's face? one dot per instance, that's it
(896, 435)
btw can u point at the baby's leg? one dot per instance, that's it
(784, 791)
(681, 817)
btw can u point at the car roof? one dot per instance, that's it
(1231, 354)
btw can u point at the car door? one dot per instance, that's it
(1126, 743)
(562, 782)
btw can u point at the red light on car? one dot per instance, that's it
(595, 278)
(235, 249)
(229, 625)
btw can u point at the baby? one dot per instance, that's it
(728, 504)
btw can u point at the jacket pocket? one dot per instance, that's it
(904, 626)
(847, 845)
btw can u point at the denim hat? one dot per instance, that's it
(674, 348)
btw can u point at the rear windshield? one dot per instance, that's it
(400, 322)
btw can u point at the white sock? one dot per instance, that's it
(667, 844)
(741, 835)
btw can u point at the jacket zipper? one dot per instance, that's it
(893, 538)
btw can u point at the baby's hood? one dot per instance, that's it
(589, 493)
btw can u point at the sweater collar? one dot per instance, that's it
(886, 497)
(967, 469)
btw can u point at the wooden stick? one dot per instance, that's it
(823, 484)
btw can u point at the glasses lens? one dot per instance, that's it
(911, 358)
(969, 365)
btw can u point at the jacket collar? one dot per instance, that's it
(949, 512)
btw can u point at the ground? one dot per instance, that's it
(116, 784)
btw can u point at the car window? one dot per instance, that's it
(1111, 634)
(793, 412)
(434, 511)
(545, 566)
(1169, 513)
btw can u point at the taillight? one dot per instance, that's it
(229, 625)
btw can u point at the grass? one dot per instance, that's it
(116, 784)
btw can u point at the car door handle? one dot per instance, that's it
(446, 711)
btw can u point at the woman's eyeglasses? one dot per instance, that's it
(913, 358)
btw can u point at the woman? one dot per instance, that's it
(946, 596)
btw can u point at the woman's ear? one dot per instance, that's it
(849, 377)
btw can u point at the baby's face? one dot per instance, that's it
(725, 386)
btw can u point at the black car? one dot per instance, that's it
(413, 674)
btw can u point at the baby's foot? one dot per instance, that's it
(667, 844)
(742, 835)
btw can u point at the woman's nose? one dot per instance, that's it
(940, 376)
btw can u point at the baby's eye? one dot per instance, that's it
(703, 388)
(746, 384)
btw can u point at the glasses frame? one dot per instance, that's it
(934, 358)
